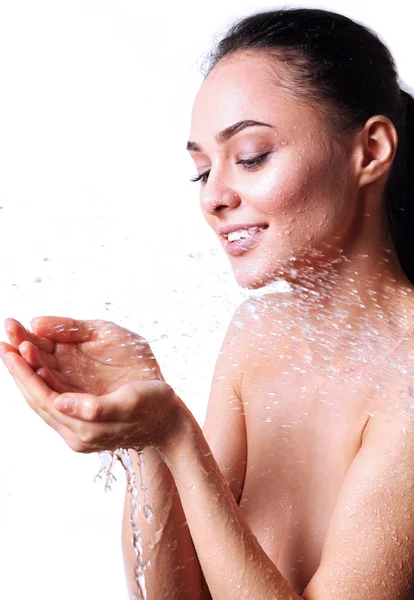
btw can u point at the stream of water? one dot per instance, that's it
(108, 460)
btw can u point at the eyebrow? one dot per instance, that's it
(227, 133)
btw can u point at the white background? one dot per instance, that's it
(95, 104)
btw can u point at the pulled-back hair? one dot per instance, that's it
(336, 61)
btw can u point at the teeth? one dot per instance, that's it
(238, 235)
(242, 233)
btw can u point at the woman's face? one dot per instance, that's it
(268, 169)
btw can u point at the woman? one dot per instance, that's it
(301, 483)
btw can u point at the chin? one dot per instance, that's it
(253, 279)
(278, 269)
(250, 285)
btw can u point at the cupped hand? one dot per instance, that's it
(97, 384)
(94, 357)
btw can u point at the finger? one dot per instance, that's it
(54, 380)
(44, 364)
(35, 364)
(18, 334)
(63, 329)
(35, 357)
(35, 390)
(15, 332)
(121, 405)
(64, 425)
(5, 348)
(43, 343)
(10, 363)
(87, 407)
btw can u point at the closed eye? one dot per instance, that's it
(251, 162)
(247, 162)
(202, 177)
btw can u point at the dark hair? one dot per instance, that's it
(344, 64)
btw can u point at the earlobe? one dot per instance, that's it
(378, 141)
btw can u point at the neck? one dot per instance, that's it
(358, 281)
(358, 285)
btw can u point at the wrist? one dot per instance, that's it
(183, 431)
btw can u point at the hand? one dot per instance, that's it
(95, 357)
(121, 398)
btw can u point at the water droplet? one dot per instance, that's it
(149, 515)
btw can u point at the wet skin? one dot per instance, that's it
(309, 419)
(305, 418)
(284, 425)
(305, 402)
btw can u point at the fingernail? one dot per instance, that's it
(66, 404)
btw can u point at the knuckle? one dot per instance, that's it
(86, 436)
(91, 409)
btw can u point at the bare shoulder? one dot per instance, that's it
(264, 317)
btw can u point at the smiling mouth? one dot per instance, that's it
(240, 241)
(243, 234)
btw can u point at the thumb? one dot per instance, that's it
(119, 405)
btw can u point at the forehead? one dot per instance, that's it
(246, 86)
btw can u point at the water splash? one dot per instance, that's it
(108, 460)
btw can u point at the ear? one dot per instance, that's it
(377, 147)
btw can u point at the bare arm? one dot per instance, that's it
(175, 571)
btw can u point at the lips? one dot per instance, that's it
(241, 238)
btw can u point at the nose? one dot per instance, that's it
(218, 194)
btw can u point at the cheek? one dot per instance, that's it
(303, 199)
(282, 189)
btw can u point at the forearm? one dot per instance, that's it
(173, 572)
(233, 562)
